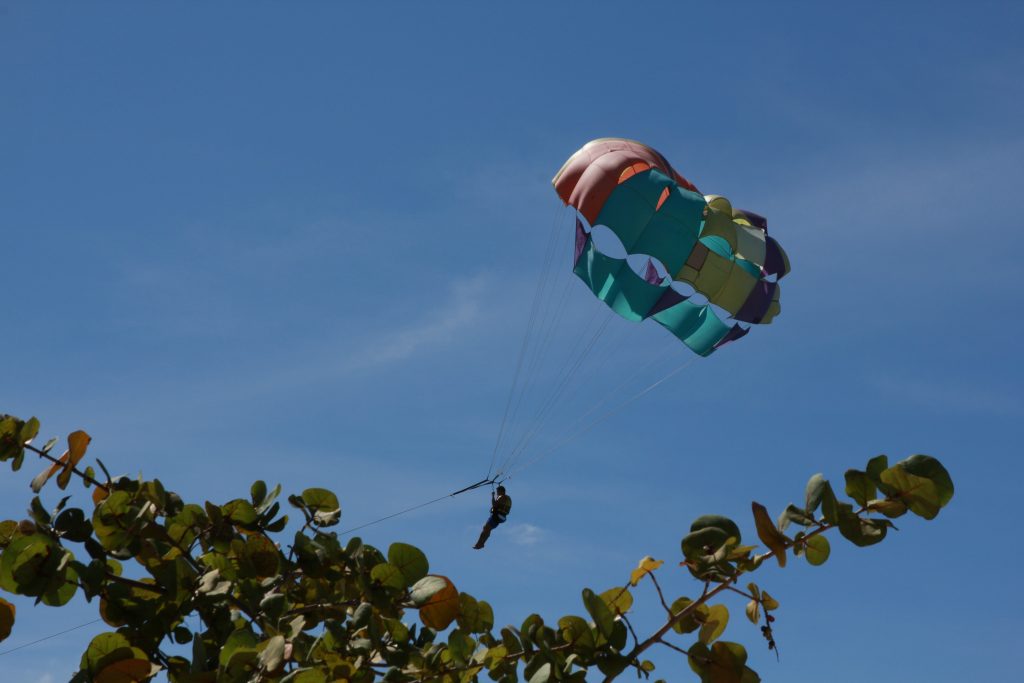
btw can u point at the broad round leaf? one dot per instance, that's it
(812, 495)
(718, 521)
(929, 468)
(107, 648)
(618, 600)
(263, 555)
(818, 550)
(438, 601)
(598, 610)
(714, 624)
(469, 614)
(576, 631)
(388, 575)
(7, 612)
(692, 621)
(127, 671)
(323, 504)
(241, 642)
(410, 560)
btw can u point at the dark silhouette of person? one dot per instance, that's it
(501, 505)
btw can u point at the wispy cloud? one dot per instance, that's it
(459, 312)
(948, 397)
(526, 534)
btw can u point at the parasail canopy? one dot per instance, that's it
(701, 241)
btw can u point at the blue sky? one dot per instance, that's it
(300, 243)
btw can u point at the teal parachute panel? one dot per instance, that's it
(614, 282)
(721, 252)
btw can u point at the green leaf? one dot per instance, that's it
(240, 512)
(812, 495)
(28, 564)
(723, 662)
(107, 648)
(241, 642)
(714, 624)
(692, 621)
(890, 508)
(795, 515)
(697, 544)
(817, 550)
(859, 486)
(859, 530)
(323, 504)
(262, 555)
(768, 602)
(62, 587)
(410, 560)
(576, 631)
(829, 505)
(876, 466)
(929, 468)
(73, 525)
(599, 612)
(29, 430)
(717, 522)
(388, 575)
(469, 614)
(769, 535)
(258, 491)
(919, 493)
(618, 600)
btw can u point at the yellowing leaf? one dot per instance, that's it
(78, 442)
(618, 600)
(647, 565)
(769, 534)
(7, 611)
(127, 671)
(768, 601)
(714, 624)
(440, 609)
(753, 611)
(98, 495)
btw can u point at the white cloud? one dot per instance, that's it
(525, 534)
(460, 312)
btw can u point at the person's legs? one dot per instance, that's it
(491, 524)
(484, 535)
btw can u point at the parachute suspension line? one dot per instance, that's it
(510, 456)
(536, 353)
(586, 428)
(471, 487)
(548, 323)
(609, 352)
(528, 333)
(552, 239)
(545, 412)
(541, 335)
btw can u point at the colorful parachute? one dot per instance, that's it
(723, 253)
